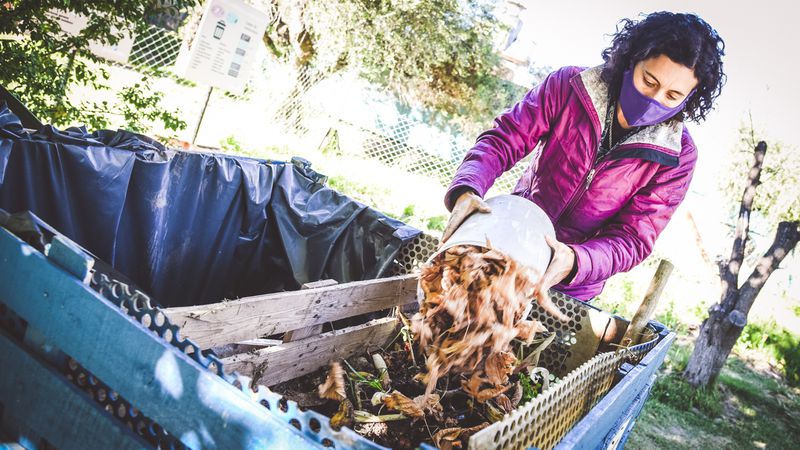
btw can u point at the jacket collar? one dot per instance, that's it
(665, 137)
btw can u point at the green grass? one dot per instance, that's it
(673, 391)
(746, 409)
(781, 344)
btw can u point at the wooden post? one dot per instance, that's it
(648, 306)
(313, 330)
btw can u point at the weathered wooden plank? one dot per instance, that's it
(264, 315)
(319, 284)
(44, 402)
(274, 365)
(313, 330)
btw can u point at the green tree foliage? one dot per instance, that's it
(778, 195)
(434, 53)
(43, 65)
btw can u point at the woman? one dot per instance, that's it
(613, 157)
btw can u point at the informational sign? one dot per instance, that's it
(72, 23)
(222, 54)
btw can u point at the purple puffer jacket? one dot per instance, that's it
(609, 211)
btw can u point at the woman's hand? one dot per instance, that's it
(466, 204)
(561, 265)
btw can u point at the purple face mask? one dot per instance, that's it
(641, 110)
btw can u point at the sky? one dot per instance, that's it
(762, 63)
(762, 56)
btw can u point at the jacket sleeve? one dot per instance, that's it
(629, 237)
(514, 135)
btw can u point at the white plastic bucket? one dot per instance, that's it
(516, 227)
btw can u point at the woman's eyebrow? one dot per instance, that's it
(653, 77)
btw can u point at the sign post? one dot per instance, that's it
(222, 53)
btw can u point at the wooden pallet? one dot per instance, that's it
(299, 316)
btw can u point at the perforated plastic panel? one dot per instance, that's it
(120, 408)
(556, 355)
(543, 421)
(415, 253)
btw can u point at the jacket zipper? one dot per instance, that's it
(587, 182)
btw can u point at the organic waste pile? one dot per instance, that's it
(480, 355)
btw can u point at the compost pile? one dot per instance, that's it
(479, 351)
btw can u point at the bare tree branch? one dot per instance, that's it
(730, 275)
(786, 239)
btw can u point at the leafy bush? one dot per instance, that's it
(671, 318)
(616, 297)
(46, 68)
(437, 223)
(778, 342)
(231, 144)
(677, 358)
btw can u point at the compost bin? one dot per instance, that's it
(112, 226)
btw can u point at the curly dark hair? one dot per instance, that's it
(685, 39)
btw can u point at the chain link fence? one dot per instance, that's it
(396, 140)
(292, 105)
(156, 48)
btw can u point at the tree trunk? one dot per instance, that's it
(722, 328)
(712, 347)
(726, 319)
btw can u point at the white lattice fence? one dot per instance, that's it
(156, 48)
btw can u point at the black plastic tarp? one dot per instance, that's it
(192, 228)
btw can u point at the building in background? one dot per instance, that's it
(515, 46)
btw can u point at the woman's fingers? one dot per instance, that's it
(541, 293)
(483, 206)
(551, 241)
(453, 223)
(477, 203)
(547, 304)
(559, 267)
(467, 204)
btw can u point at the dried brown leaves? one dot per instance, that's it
(343, 416)
(455, 437)
(527, 329)
(399, 402)
(499, 366)
(333, 387)
(417, 408)
(473, 306)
